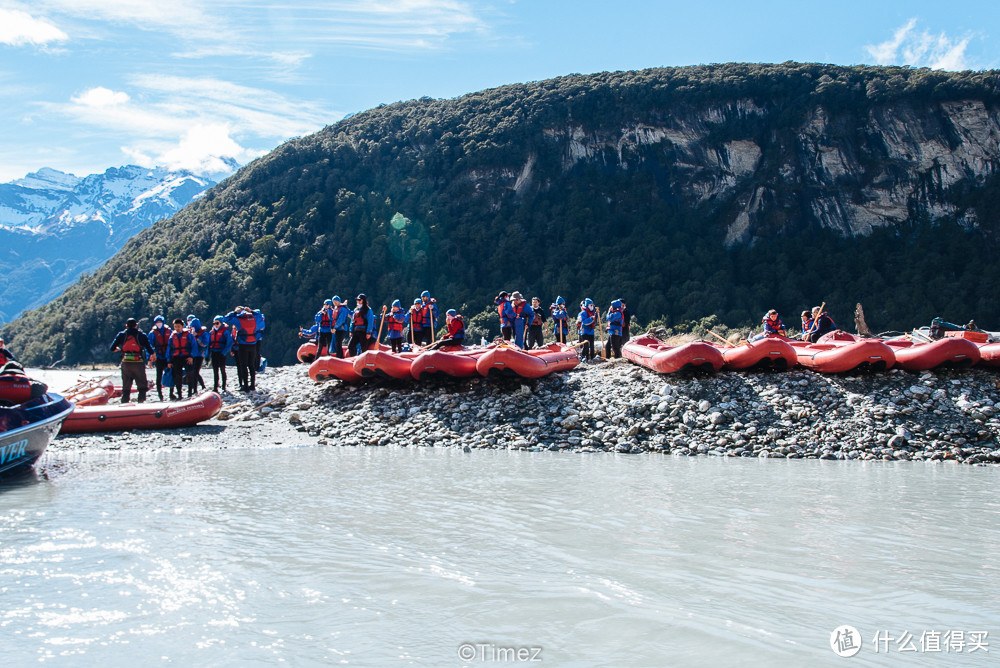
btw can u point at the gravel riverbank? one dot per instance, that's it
(613, 406)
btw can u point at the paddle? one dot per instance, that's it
(430, 312)
(380, 323)
(815, 324)
(600, 328)
(726, 341)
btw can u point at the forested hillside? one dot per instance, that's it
(722, 189)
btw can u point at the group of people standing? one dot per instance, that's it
(185, 346)
(335, 323)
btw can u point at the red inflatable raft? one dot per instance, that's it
(307, 352)
(650, 352)
(453, 362)
(509, 361)
(326, 368)
(989, 354)
(91, 393)
(763, 353)
(920, 355)
(841, 351)
(121, 417)
(384, 364)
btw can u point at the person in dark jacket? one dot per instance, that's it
(134, 347)
(248, 325)
(536, 327)
(626, 322)
(158, 337)
(182, 348)
(362, 327)
(822, 323)
(220, 344)
(613, 346)
(201, 336)
(341, 326)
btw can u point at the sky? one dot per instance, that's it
(90, 84)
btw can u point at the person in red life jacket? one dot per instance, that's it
(773, 327)
(822, 323)
(5, 355)
(395, 323)
(615, 318)
(362, 326)
(807, 323)
(587, 321)
(324, 327)
(158, 337)
(341, 326)
(134, 347)
(523, 314)
(626, 321)
(506, 312)
(416, 316)
(247, 326)
(201, 336)
(182, 348)
(536, 331)
(429, 318)
(220, 342)
(456, 328)
(560, 320)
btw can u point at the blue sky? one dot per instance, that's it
(90, 84)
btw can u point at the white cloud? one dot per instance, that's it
(18, 28)
(193, 123)
(101, 97)
(909, 46)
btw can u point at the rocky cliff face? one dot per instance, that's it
(837, 171)
(56, 226)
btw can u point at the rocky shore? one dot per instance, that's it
(616, 407)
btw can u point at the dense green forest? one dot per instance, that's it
(468, 196)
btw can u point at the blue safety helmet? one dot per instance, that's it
(397, 304)
(159, 318)
(452, 312)
(425, 293)
(337, 298)
(328, 302)
(417, 300)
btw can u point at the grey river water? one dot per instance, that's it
(435, 557)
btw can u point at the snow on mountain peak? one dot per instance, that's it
(47, 178)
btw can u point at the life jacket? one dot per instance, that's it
(131, 350)
(418, 317)
(773, 325)
(456, 328)
(217, 339)
(360, 319)
(518, 309)
(160, 337)
(248, 323)
(325, 319)
(181, 343)
(501, 304)
(395, 325)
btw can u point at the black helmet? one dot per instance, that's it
(361, 297)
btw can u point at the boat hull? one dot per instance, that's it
(653, 354)
(514, 362)
(766, 353)
(448, 363)
(28, 429)
(307, 352)
(919, 356)
(384, 364)
(150, 415)
(989, 354)
(841, 356)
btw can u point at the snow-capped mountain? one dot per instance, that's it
(56, 226)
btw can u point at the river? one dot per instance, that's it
(435, 557)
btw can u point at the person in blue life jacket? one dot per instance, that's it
(247, 325)
(309, 334)
(773, 326)
(395, 323)
(362, 327)
(182, 348)
(324, 327)
(220, 343)
(615, 319)
(821, 324)
(134, 347)
(158, 337)
(586, 322)
(341, 326)
(560, 320)
(201, 336)
(523, 314)
(536, 326)
(507, 316)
